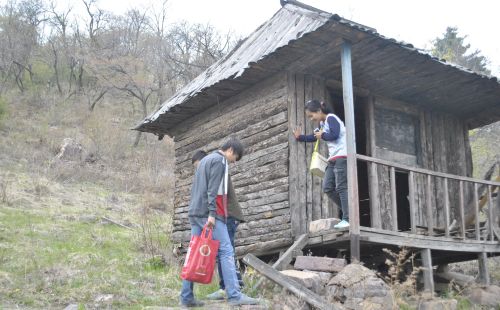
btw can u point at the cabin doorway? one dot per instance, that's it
(337, 105)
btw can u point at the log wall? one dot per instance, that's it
(259, 118)
(441, 145)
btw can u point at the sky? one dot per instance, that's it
(415, 22)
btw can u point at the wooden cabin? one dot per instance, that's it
(407, 114)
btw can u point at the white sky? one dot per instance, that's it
(415, 22)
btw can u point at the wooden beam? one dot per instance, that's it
(413, 204)
(476, 212)
(461, 207)
(427, 270)
(352, 170)
(491, 221)
(394, 204)
(296, 288)
(446, 208)
(424, 171)
(484, 276)
(428, 206)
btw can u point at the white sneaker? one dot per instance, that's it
(342, 224)
(217, 295)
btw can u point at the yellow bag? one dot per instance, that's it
(318, 162)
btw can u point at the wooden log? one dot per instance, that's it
(308, 127)
(294, 287)
(444, 272)
(264, 247)
(301, 152)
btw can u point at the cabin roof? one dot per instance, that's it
(307, 40)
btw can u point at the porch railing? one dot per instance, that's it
(433, 177)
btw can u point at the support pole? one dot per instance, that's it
(484, 276)
(352, 170)
(427, 270)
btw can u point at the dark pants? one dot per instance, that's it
(335, 185)
(232, 225)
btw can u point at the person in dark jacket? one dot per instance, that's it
(235, 217)
(208, 206)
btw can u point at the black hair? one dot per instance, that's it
(236, 145)
(315, 105)
(198, 155)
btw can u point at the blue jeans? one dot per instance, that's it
(226, 257)
(335, 185)
(232, 225)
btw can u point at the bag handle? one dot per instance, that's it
(204, 232)
(316, 145)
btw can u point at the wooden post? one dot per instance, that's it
(461, 206)
(352, 170)
(476, 212)
(484, 276)
(446, 208)
(430, 219)
(394, 203)
(490, 214)
(413, 217)
(427, 270)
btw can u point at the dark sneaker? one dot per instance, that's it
(244, 300)
(217, 295)
(192, 304)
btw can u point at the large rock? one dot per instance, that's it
(322, 224)
(359, 288)
(315, 263)
(485, 296)
(308, 279)
(70, 150)
(438, 304)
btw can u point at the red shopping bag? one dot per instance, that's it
(200, 258)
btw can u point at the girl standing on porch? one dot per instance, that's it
(332, 130)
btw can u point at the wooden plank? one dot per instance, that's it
(427, 270)
(289, 284)
(446, 208)
(413, 206)
(425, 171)
(394, 204)
(476, 212)
(484, 275)
(461, 207)
(429, 206)
(491, 221)
(421, 241)
(287, 257)
(352, 171)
